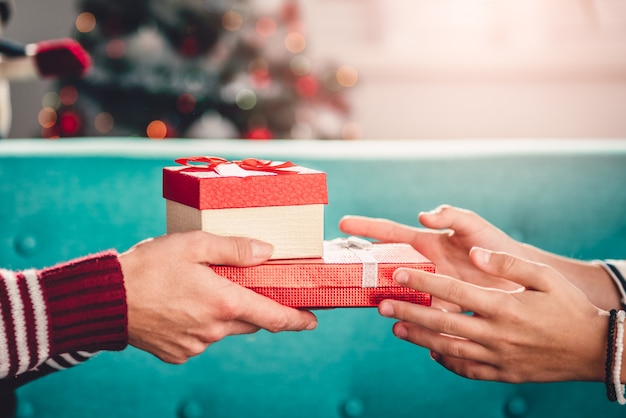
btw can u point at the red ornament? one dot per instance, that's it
(259, 134)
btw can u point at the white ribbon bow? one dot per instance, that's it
(361, 248)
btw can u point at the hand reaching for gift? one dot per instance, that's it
(537, 316)
(451, 233)
(546, 331)
(177, 305)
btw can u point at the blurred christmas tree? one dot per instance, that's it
(196, 68)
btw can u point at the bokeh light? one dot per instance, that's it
(266, 26)
(232, 20)
(295, 42)
(85, 22)
(186, 103)
(70, 123)
(156, 130)
(103, 122)
(47, 117)
(259, 134)
(300, 65)
(307, 86)
(68, 95)
(51, 99)
(347, 76)
(116, 49)
(246, 99)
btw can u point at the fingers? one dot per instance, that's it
(233, 251)
(450, 217)
(379, 229)
(459, 355)
(384, 230)
(528, 274)
(466, 295)
(260, 311)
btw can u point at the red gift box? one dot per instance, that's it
(277, 202)
(265, 184)
(348, 275)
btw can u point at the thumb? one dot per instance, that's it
(234, 251)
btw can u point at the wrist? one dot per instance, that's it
(86, 304)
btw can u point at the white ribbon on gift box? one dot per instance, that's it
(233, 170)
(361, 248)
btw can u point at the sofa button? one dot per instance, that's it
(190, 409)
(517, 406)
(25, 245)
(353, 408)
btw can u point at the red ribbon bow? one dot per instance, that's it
(211, 163)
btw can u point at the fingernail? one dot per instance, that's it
(261, 249)
(483, 256)
(400, 331)
(435, 356)
(401, 276)
(312, 325)
(385, 309)
(437, 210)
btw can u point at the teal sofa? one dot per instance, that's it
(62, 199)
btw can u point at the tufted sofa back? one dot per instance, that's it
(60, 200)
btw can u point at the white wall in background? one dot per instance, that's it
(439, 68)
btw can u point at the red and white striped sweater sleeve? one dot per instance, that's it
(57, 317)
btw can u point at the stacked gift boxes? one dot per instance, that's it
(283, 204)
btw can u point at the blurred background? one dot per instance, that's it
(329, 69)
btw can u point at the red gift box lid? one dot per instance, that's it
(341, 278)
(203, 187)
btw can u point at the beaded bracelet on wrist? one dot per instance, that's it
(608, 366)
(617, 363)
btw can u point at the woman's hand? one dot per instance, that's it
(451, 233)
(545, 331)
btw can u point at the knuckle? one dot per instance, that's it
(473, 373)
(215, 334)
(453, 290)
(457, 350)
(240, 247)
(190, 348)
(228, 309)
(195, 243)
(511, 377)
(278, 323)
(448, 325)
(506, 264)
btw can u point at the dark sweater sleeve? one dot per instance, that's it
(58, 317)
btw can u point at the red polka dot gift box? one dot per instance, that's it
(352, 273)
(277, 202)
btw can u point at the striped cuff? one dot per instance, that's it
(75, 307)
(86, 303)
(617, 270)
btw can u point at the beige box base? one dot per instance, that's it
(294, 231)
